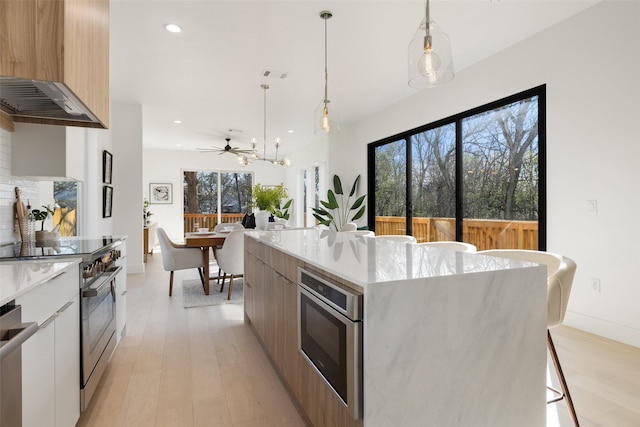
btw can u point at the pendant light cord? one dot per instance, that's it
(326, 73)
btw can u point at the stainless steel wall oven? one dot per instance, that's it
(98, 320)
(330, 335)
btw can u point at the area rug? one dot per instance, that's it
(193, 294)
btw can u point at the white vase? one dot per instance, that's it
(262, 219)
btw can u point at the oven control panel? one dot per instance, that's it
(345, 301)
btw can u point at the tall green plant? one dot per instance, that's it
(337, 210)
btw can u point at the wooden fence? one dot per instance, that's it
(483, 233)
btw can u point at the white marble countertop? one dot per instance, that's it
(366, 261)
(19, 277)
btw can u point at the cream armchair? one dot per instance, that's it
(178, 257)
(560, 273)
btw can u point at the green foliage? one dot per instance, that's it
(268, 198)
(283, 212)
(336, 211)
(41, 215)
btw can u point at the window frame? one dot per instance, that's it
(539, 91)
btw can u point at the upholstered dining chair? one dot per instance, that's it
(178, 257)
(451, 245)
(350, 226)
(396, 238)
(560, 273)
(224, 226)
(230, 258)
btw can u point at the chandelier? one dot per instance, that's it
(255, 154)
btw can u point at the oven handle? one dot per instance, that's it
(94, 292)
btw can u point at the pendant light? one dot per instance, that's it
(430, 60)
(326, 116)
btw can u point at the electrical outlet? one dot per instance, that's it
(595, 285)
(592, 207)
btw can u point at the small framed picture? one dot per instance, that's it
(161, 193)
(107, 167)
(107, 201)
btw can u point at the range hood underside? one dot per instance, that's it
(45, 102)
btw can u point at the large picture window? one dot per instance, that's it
(476, 177)
(212, 197)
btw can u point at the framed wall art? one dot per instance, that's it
(107, 201)
(107, 167)
(161, 193)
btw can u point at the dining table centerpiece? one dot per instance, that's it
(267, 199)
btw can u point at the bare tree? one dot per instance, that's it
(191, 193)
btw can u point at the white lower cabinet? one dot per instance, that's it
(121, 299)
(51, 357)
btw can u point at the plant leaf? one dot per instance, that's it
(320, 211)
(337, 184)
(354, 187)
(333, 203)
(359, 214)
(288, 204)
(358, 202)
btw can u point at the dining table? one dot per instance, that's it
(204, 241)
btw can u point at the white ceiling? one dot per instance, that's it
(209, 76)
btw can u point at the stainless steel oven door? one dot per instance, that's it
(98, 311)
(332, 344)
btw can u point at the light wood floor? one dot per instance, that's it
(204, 367)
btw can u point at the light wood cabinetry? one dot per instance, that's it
(64, 41)
(271, 276)
(51, 358)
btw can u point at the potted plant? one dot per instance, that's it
(267, 199)
(146, 213)
(42, 215)
(336, 211)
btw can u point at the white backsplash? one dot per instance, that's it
(29, 191)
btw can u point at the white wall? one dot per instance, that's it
(126, 134)
(167, 166)
(590, 66)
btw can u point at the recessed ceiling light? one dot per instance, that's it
(178, 145)
(290, 131)
(173, 28)
(178, 122)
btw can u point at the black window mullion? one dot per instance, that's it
(459, 181)
(408, 187)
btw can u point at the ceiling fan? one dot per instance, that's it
(226, 149)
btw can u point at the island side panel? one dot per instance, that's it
(457, 350)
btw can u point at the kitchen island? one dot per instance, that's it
(448, 338)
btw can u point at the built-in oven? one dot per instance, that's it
(98, 321)
(330, 335)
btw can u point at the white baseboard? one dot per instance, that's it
(613, 331)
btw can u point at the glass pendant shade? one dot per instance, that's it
(430, 60)
(326, 118)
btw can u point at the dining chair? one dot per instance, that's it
(396, 237)
(178, 257)
(223, 226)
(451, 245)
(230, 258)
(363, 233)
(560, 273)
(349, 226)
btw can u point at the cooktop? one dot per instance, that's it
(87, 248)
